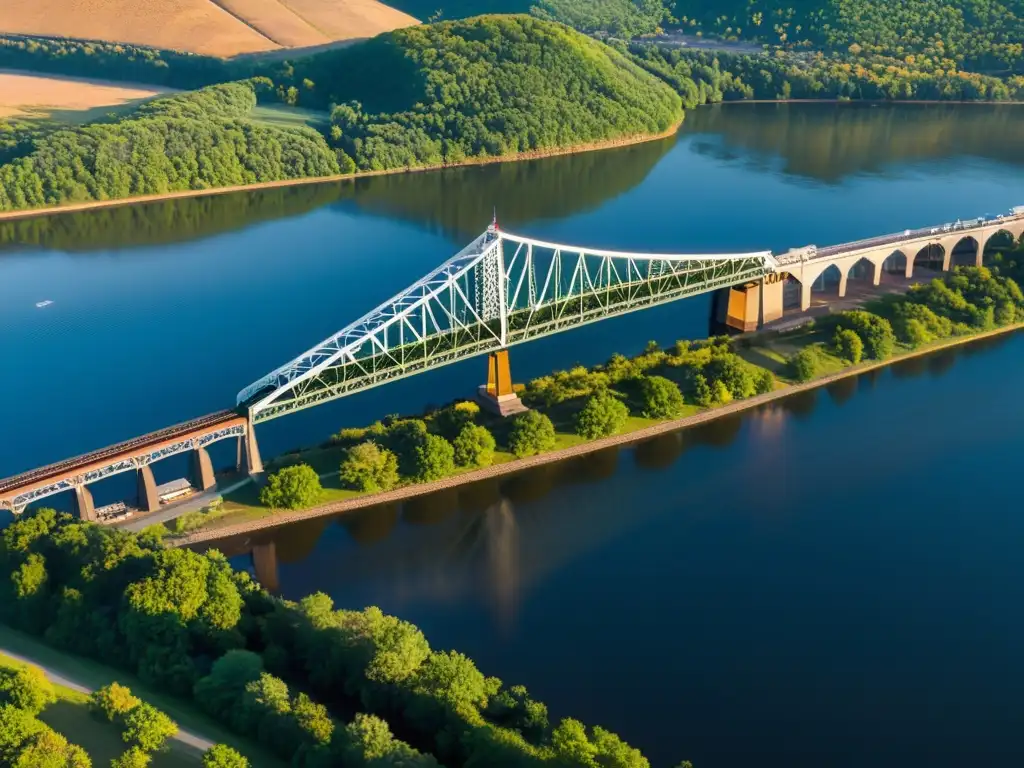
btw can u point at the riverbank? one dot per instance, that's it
(539, 154)
(405, 493)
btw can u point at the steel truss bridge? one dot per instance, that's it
(500, 290)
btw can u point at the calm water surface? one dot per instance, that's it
(833, 581)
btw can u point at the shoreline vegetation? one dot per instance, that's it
(538, 154)
(622, 402)
(568, 78)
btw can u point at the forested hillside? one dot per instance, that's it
(973, 34)
(188, 141)
(484, 87)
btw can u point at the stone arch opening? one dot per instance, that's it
(895, 264)
(828, 281)
(965, 253)
(930, 258)
(998, 244)
(860, 276)
(791, 290)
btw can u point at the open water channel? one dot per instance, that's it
(833, 580)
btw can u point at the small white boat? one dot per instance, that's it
(41, 304)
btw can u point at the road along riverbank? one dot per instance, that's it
(627, 438)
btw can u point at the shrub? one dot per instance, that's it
(532, 432)
(701, 391)
(451, 420)
(223, 756)
(916, 324)
(474, 447)
(148, 728)
(734, 372)
(876, 332)
(134, 757)
(603, 414)
(764, 381)
(370, 468)
(435, 458)
(804, 365)
(848, 345)
(292, 488)
(26, 688)
(661, 398)
(720, 393)
(112, 702)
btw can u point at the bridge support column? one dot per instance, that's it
(148, 500)
(264, 562)
(877, 279)
(909, 273)
(498, 395)
(947, 258)
(84, 505)
(253, 461)
(842, 285)
(979, 255)
(202, 470)
(805, 296)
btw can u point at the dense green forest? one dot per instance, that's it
(490, 86)
(194, 140)
(982, 35)
(317, 686)
(702, 77)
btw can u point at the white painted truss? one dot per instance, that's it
(500, 290)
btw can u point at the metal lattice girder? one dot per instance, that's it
(501, 289)
(117, 466)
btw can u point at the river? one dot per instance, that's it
(826, 582)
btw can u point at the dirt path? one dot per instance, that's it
(185, 737)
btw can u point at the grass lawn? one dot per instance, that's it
(290, 117)
(70, 717)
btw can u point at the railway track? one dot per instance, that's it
(60, 467)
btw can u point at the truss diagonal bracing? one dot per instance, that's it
(499, 290)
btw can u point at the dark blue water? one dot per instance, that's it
(168, 313)
(831, 581)
(835, 580)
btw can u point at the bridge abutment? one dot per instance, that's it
(148, 499)
(253, 460)
(84, 504)
(498, 395)
(202, 470)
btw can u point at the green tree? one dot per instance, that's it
(702, 394)
(26, 688)
(112, 702)
(603, 414)
(148, 728)
(848, 345)
(803, 365)
(133, 757)
(368, 467)
(453, 419)
(764, 381)
(292, 487)
(48, 749)
(223, 756)
(876, 332)
(435, 458)
(531, 433)
(474, 446)
(661, 398)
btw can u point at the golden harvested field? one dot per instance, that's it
(38, 95)
(212, 27)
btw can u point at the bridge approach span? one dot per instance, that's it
(137, 455)
(501, 289)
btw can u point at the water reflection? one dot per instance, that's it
(826, 143)
(659, 452)
(842, 390)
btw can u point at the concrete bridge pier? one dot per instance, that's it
(148, 500)
(202, 470)
(84, 504)
(253, 462)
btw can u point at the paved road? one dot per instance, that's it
(185, 737)
(172, 511)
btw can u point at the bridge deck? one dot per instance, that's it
(127, 447)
